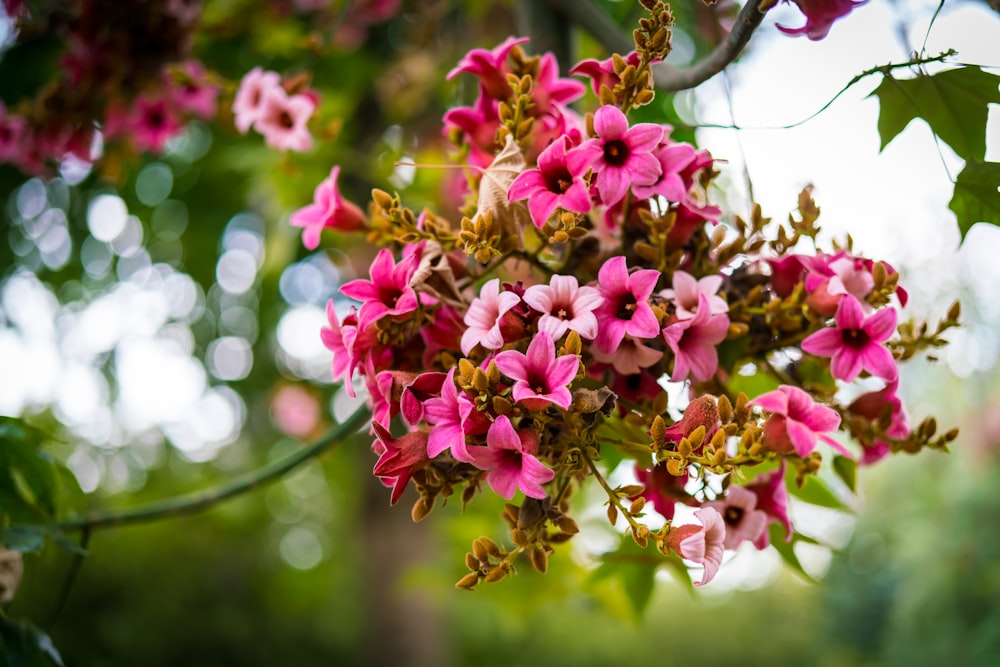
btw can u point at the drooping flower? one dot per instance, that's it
(620, 155)
(686, 290)
(556, 183)
(772, 499)
(694, 342)
(855, 344)
(399, 458)
(540, 377)
(283, 120)
(796, 421)
(248, 105)
(742, 518)
(820, 16)
(701, 544)
(328, 209)
(485, 315)
(626, 308)
(388, 293)
(510, 461)
(550, 93)
(490, 67)
(565, 306)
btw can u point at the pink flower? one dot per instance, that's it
(480, 123)
(399, 458)
(626, 307)
(194, 93)
(283, 120)
(664, 490)
(153, 122)
(820, 16)
(885, 408)
(693, 342)
(13, 129)
(388, 293)
(630, 357)
(350, 345)
(556, 183)
(550, 93)
(448, 414)
(328, 209)
(565, 306)
(786, 274)
(674, 158)
(686, 294)
(484, 317)
(249, 102)
(796, 421)
(509, 457)
(621, 156)
(742, 518)
(772, 499)
(540, 377)
(490, 67)
(602, 72)
(855, 344)
(701, 544)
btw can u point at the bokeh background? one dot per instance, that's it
(160, 317)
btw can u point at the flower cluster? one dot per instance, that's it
(279, 110)
(149, 86)
(533, 343)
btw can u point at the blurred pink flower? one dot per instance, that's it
(490, 67)
(772, 499)
(152, 123)
(328, 210)
(740, 514)
(249, 102)
(820, 16)
(283, 120)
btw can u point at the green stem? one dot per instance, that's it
(203, 500)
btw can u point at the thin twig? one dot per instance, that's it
(203, 500)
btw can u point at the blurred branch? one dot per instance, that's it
(203, 500)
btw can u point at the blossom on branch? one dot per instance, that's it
(855, 344)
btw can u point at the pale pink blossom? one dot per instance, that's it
(350, 345)
(796, 422)
(565, 306)
(626, 308)
(388, 293)
(694, 342)
(620, 155)
(740, 514)
(686, 290)
(540, 377)
(249, 102)
(630, 357)
(510, 460)
(855, 344)
(701, 544)
(556, 183)
(283, 120)
(453, 416)
(485, 315)
(328, 210)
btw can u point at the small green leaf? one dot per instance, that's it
(24, 645)
(977, 195)
(27, 475)
(753, 385)
(955, 103)
(24, 538)
(635, 568)
(815, 492)
(847, 470)
(787, 549)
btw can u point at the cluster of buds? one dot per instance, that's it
(531, 345)
(148, 86)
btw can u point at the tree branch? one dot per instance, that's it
(671, 79)
(203, 500)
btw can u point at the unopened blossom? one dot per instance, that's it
(388, 293)
(328, 210)
(694, 342)
(742, 518)
(621, 156)
(820, 16)
(540, 377)
(510, 460)
(855, 343)
(701, 544)
(565, 305)
(249, 102)
(686, 291)
(626, 308)
(485, 315)
(701, 411)
(556, 183)
(796, 421)
(283, 119)
(602, 72)
(772, 500)
(399, 458)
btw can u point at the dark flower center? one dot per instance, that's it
(733, 515)
(626, 307)
(855, 338)
(616, 152)
(558, 181)
(286, 121)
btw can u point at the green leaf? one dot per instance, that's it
(753, 385)
(847, 470)
(27, 474)
(977, 195)
(24, 538)
(787, 549)
(955, 104)
(24, 645)
(815, 492)
(635, 568)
